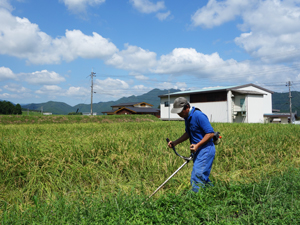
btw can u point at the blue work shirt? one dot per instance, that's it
(197, 125)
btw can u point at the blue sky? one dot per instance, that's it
(49, 48)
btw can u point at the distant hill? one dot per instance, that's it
(62, 108)
(279, 100)
(59, 108)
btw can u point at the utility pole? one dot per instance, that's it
(290, 96)
(169, 103)
(92, 90)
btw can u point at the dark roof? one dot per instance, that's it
(142, 109)
(125, 104)
(129, 104)
(136, 109)
(110, 111)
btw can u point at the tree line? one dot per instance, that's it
(7, 108)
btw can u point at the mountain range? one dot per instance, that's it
(280, 101)
(61, 108)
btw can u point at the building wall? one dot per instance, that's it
(283, 120)
(124, 112)
(239, 112)
(215, 111)
(267, 98)
(164, 111)
(255, 109)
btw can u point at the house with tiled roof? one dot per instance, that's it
(133, 108)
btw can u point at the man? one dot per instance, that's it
(200, 132)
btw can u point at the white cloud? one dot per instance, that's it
(216, 12)
(116, 88)
(6, 74)
(15, 92)
(187, 61)
(140, 89)
(110, 85)
(271, 27)
(77, 92)
(50, 90)
(43, 77)
(16, 88)
(76, 44)
(23, 39)
(133, 58)
(183, 61)
(274, 31)
(138, 76)
(5, 95)
(168, 85)
(6, 5)
(78, 6)
(163, 16)
(141, 77)
(146, 6)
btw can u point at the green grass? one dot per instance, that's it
(105, 168)
(272, 201)
(37, 118)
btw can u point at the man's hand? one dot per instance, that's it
(193, 148)
(171, 144)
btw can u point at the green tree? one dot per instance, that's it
(1, 107)
(18, 109)
(7, 108)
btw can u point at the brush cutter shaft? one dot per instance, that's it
(168, 179)
(187, 159)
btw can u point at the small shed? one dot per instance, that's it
(89, 113)
(47, 113)
(283, 118)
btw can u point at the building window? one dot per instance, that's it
(209, 97)
(242, 104)
(167, 104)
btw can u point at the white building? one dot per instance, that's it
(89, 113)
(241, 104)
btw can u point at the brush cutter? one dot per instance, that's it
(216, 140)
(187, 159)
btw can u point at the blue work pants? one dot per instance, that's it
(203, 160)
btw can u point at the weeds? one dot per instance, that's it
(102, 172)
(274, 200)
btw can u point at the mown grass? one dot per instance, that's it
(96, 167)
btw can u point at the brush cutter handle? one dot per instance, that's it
(183, 157)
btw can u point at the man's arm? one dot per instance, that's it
(183, 138)
(206, 138)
